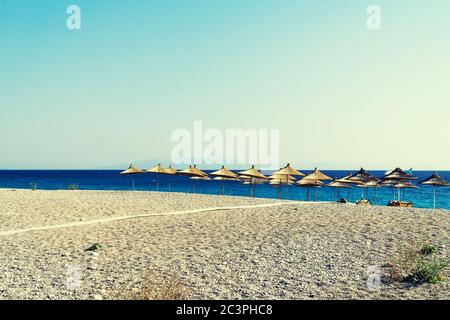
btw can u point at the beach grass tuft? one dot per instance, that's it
(428, 249)
(418, 264)
(429, 271)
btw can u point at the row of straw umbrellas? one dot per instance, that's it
(288, 175)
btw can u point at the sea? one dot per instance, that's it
(421, 197)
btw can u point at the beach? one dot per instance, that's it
(219, 247)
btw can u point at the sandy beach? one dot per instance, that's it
(276, 250)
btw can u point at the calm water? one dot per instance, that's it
(111, 180)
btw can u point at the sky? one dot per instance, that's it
(342, 96)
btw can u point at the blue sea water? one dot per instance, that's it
(111, 180)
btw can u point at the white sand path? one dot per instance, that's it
(134, 216)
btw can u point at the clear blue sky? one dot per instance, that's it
(112, 92)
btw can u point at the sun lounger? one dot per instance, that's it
(363, 202)
(402, 204)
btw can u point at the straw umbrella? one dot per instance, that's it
(288, 171)
(308, 183)
(170, 171)
(360, 178)
(436, 181)
(132, 171)
(198, 171)
(224, 174)
(397, 178)
(252, 174)
(192, 171)
(158, 169)
(347, 180)
(338, 185)
(399, 174)
(317, 175)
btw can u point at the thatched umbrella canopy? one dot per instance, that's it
(436, 181)
(132, 170)
(223, 174)
(346, 179)
(361, 176)
(396, 178)
(158, 169)
(398, 174)
(338, 185)
(317, 175)
(288, 171)
(192, 171)
(252, 174)
(199, 171)
(309, 183)
(171, 170)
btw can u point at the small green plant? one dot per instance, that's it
(33, 186)
(428, 249)
(94, 247)
(429, 271)
(418, 264)
(72, 187)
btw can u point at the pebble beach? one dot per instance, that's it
(219, 247)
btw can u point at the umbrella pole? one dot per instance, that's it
(287, 190)
(132, 180)
(375, 197)
(307, 193)
(157, 182)
(435, 197)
